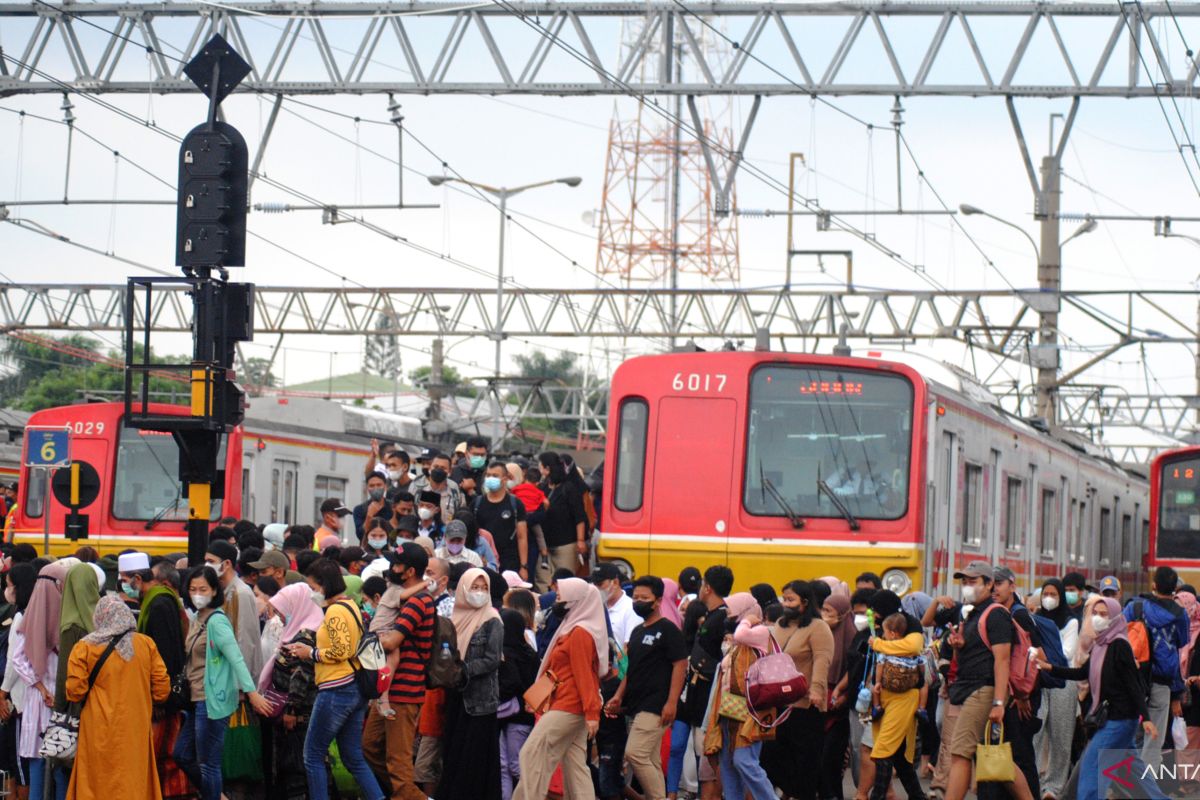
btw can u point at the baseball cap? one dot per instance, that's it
(1109, 583)
(513, 579)
(1004, 574)
(410, 554)
(976, 569)
(426, 454)
(272, 559)
(333, 504)
(456, 529)
(605, 572)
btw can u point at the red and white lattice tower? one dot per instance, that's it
(656, 217)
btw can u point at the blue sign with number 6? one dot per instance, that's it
(47, 447)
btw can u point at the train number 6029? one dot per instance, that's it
(696, 382)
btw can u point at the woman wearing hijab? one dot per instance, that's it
(836, 614)
(1189, 665)
(730, 733)
(577, 656)
(802, 634)
(895, 734)
(21, 579)
(36, 662)
(289, 680)
(518, 671)
(670, 602)
(81, 592)
(1115, 686)
(471, 734)
(1060, 707)
(836, 586)
(114, 725)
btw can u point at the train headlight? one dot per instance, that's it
(896, 580)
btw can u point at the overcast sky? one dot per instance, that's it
(1120, 159)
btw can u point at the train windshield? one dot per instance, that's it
(1179, 510)
(827, 442)
(147, 483)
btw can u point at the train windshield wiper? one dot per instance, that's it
(157, 518)
(793, 518)
(823, 488)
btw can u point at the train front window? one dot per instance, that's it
(816, 432)
(147, 483)
(1179, 510)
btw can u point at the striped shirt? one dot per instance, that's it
(415, 621)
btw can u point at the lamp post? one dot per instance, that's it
(502, 193)
(1049, 261)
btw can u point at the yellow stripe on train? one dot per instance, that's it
(60, 545)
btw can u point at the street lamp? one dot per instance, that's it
(1089, 225)
(502, 193)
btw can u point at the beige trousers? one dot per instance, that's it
(643, 751)
(557, 738)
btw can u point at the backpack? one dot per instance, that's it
(371, 675)
(1022, 675)
(1052, 649)
(1161, 652)
(1139, 637)
(445, 662)
(512, 501)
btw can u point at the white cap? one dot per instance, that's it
(514, 581)
(377, 568)
(273, 534)
(132, 562)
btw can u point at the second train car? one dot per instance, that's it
(787, 465)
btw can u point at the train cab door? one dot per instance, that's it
(941, 555)
(693, 482)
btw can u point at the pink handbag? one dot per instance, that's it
(773, 682)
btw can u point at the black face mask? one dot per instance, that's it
(396, 577)
(643, 608)
(559, 610)
(437, 475)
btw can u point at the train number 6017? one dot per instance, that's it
(695, 382)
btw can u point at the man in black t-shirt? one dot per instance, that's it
(649, 693)
(981, 687)
(503, 516)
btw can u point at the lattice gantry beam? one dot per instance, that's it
(502, 47)
(1000, 321)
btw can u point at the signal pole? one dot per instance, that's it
(210, 237)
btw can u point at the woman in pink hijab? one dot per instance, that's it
(1189, 665)
(576, 659)
(670, 602)
(295, 606)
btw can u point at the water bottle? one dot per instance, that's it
(445, 654)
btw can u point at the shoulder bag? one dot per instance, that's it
(540, 695)
(994, 762)
(61, 739)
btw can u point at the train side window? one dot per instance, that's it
(631, 454)
(1126, 540)
(1080, 541)
(1048, 523)
(1106, 536)
(972, 494)
(35, 493)
(324, 487)
(1014, 514)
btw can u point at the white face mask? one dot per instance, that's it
(1099, 623)
(394, 474)
(478, 599)
(201, 601)
(318, 598)
(431, 585)
(968, 593)
(425, 514)
(1049, 603)
(860, 622)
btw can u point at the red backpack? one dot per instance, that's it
(1022, 672)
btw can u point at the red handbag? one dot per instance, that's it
(773, 682)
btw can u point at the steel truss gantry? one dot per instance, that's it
(505, 47)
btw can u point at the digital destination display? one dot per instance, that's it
(831, 387)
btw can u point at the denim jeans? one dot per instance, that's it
(681, 750)
(741, 772)
(37, 779)
(1117, 734)
(199, 748)
(338, 714)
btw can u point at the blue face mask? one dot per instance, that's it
(491, 483)
(377, 544)
(477, 462)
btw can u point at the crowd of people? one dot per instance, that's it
(445, 638)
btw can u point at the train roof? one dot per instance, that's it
(310, 414)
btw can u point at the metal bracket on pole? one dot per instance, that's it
(724, 187)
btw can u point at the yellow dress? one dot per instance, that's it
(898, 725)
(116, 748)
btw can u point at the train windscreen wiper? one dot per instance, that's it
(823, 488)
(157, 518)
(792, 516)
